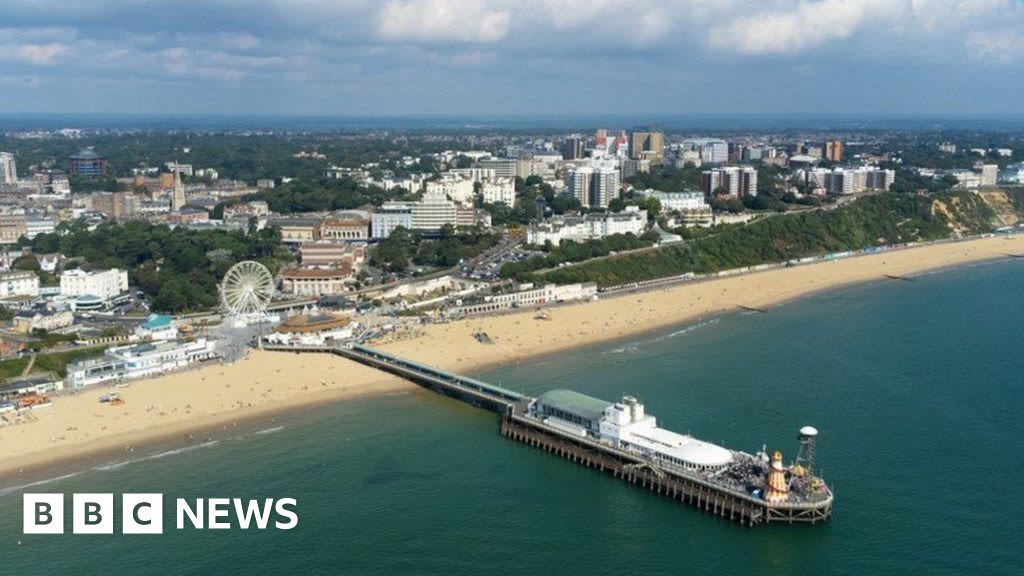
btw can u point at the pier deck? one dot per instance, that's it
(704, 493)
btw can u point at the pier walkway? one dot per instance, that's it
(470, 390)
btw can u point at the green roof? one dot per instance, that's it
(581, 405)
(157, 321)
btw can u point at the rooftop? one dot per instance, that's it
(574, 403)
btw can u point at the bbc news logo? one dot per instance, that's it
(144, 513)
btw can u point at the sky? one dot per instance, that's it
(354, 58)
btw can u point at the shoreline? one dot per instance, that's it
(283, 385)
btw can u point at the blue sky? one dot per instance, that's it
(458, 57)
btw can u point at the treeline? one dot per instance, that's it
(572, 251)
(324, 194)
(178, 269)
(870, 221)
(234, 155)
(406, 247)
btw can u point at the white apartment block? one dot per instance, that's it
(679, 201)
(456, 187)
(588, 227)
(105, 284)
(851, 180)
(15, 284)
(475, 174)
(499, 190)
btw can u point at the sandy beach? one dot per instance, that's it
(184, 405)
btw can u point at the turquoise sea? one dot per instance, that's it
(916, 387)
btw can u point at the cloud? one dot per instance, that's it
(36, 54)
(443, 20)
(794, 29)
(1002, 46)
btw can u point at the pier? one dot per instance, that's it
(470, 390)
(717, 496)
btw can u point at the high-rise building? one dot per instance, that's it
(647, 145)
(572, 148)
(8, 170)
(595, 186)
(834, 151)
(88, 163)
(736, 181)
(177, 194)
(579, 184)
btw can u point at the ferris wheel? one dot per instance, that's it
(247, 289)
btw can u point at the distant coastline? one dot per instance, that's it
(536, 122)
(180, 409)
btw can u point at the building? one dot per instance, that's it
(631, 167)
(453, 186)
(647, 146)
(312, 329)
(389, 216)
(572, 148)
(989, 174)
(679, 201)
(251, 209)
(8, 169)
(625, 425)
(834, 151)
(503, 167)
(12, 228)
(594, 185)
(345, 227)
(587, 227)
(297, 229)
(738, 181)
(432, 213)
(177, 193)
(101, 284)
(36, 225)
(499, 191)
(327, 254)
(851, 180)
(711, 150)
(27, 321)
(528, 295)
(266, 183)
(115, 205)
(315, 282)
(139, 360)
(88, 163)
(157, 327)
(18, 284)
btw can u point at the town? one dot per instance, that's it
(115, 268)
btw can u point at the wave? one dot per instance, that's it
(158, 455)
(6, 491)
(268, 431)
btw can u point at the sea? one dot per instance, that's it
(917, 389)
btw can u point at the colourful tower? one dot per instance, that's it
(776, 486)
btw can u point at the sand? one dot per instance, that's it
(184, 405)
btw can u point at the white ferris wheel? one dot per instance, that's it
(247, 289)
